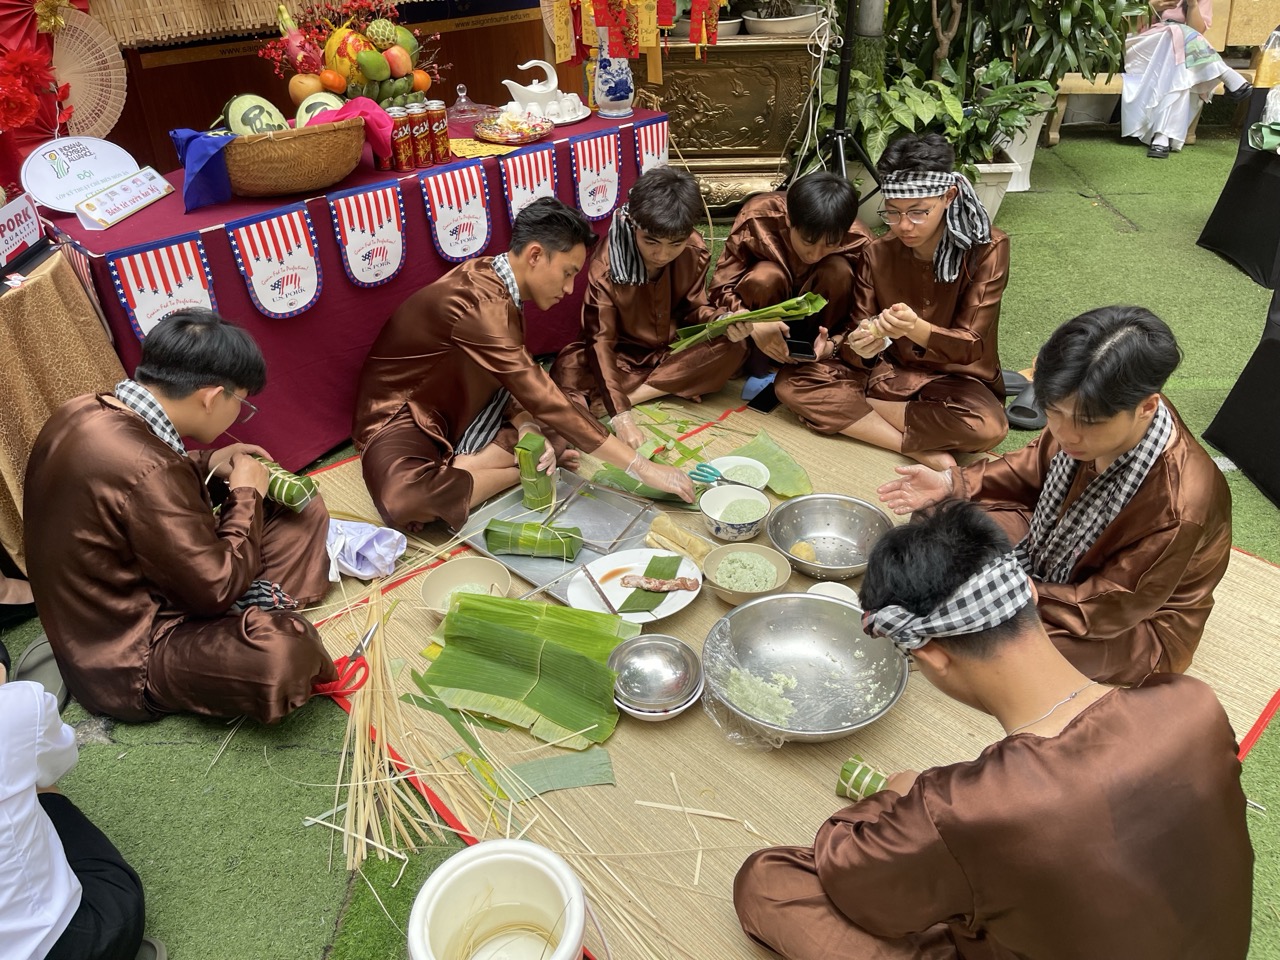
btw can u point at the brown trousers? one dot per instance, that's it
(411, 477)
(691, 374)
(949, 413)
(261, 663)
(781, 905)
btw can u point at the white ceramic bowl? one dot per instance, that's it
(725, 463)
(713, 503)
(838, 591)
(437, 584)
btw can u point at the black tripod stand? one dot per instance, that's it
(840, 138)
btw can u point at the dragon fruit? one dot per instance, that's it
(303, 54)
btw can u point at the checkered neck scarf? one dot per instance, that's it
(261, 593)
(625, 263)
(481, 431)
(143, 402)
(964, 224)
(987, 599)
(1054, 545)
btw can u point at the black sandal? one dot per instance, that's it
(1158, 152)
(1023, 414)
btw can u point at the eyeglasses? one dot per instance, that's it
(247, 409)
(892, 217)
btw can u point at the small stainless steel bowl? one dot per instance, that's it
(841, 529)
(844, 679)
(655, 671)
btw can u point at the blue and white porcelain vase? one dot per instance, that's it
(615, 90)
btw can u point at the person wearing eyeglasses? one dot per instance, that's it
(165, 582)
(918, 371)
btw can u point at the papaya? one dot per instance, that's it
(341, 50)
(373, 64)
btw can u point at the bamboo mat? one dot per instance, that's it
(639, 863)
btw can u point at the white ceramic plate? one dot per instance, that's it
(575, 118)
(609, 572)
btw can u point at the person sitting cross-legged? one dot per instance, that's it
(448, 386)
(1120, 516)
(645, 283)
(1106, 823)
(154, 603)
(920, 371)
(66, 893)
(784, 244)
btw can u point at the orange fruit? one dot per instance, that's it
(421, 81)
(333, 81)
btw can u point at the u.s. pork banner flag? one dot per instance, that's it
(369, 224)
(457, 202)
(277, 256)
(651, 144)
(528, 175)
(597, 172)
(153, 280)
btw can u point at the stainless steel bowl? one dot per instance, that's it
(655, 671)
(844, 679)
(841, 529)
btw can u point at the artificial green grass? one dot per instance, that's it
(231, 873)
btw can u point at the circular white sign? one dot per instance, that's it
(60, 173)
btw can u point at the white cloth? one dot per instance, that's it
(362, 550)
(39, 892)
(1161, 95)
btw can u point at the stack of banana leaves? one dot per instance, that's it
(533, 665)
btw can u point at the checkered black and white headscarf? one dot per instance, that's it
(143, 402)
(1054, 545)
(964, 224)
(625, 263)
(987, 599)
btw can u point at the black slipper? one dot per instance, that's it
(1022, 413)
(38, 665)
(14, 613)
(1158, 152)
(1014, 382)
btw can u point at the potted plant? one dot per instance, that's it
(1047, 39)
(979, 127)
(779, 18)
(729, 24)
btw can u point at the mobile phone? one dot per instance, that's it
(801, 349)
(766, 401)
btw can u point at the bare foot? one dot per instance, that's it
(15, 592)
(937, 459)
(570, 460)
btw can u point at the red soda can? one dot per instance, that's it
(421, 128)
(401, 139)
(381, 163)
(441, 149)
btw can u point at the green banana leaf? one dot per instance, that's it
(797, 308)
(786, 477)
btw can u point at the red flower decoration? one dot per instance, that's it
(18, 105)
(30, 66)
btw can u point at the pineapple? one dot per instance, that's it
(381, 33)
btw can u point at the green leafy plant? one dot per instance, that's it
(1046, 39)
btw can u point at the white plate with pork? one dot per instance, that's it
(620, 574)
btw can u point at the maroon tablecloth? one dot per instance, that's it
(313, 359)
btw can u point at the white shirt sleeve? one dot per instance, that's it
(56, 750)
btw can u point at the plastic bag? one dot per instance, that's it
(1268, 74)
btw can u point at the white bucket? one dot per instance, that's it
(499, 900)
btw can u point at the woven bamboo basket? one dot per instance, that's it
(294, 161)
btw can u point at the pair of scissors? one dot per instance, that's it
(353, 672)
(706, 473)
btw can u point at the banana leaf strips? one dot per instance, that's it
(538, 488)
(532, 539)
(859, 779)
(558, 694)
(289, 489)
(797, 308)
(590, 633)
